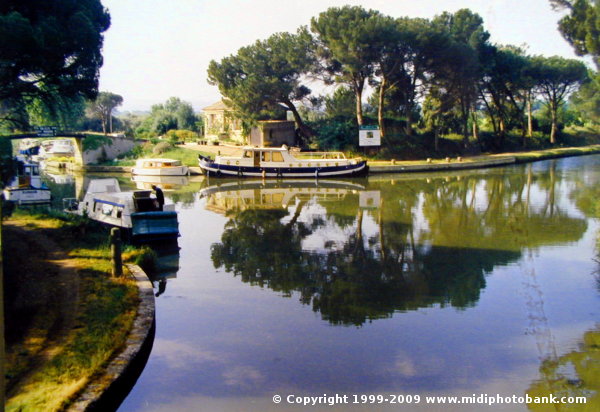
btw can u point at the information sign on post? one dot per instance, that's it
(369, 136)
(46, 131)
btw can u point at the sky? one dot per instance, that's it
(157, 49)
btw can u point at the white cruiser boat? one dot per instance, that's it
(137, 212)
(280, 162)
(57, 148)
(159, 167)
(27, 187)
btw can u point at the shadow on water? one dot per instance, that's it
(166, 265)
(116, 393)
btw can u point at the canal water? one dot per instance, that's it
(383, 291)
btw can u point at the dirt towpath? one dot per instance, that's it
(42, 298)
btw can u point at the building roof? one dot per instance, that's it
(220, 105)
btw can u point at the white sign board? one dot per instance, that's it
(369, 137)
(369, 199)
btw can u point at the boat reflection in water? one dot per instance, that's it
(164, 182)
(274, 194)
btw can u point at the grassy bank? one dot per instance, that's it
(148, 150)
(66, 317)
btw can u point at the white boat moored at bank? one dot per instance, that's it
(137, 212)
(159, 167)
(27, 188)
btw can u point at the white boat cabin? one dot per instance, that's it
(159, 167)
(282, 157)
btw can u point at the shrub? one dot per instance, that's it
(162, 147)
(335, 133)
(95, 141)
(180, 135)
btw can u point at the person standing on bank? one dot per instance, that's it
(160, 197)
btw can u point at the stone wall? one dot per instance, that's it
(119, 146)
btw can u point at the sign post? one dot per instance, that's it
(369, 136)
(46, 131)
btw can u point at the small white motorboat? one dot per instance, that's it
(27, 188)
(159, 167)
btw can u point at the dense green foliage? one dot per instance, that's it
(49, 50)
(174, 114)
(581, 26)
(263, 76)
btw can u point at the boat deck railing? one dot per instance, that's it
(319, 155)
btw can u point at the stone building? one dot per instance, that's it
(273, 133)
(221, 124)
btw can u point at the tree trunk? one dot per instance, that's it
(305, 131)
(465, 125)
(475, 126)
(409, 130)
(529, 117)
(554, 131)
(382, 90)
(358, 89)
(502, 135)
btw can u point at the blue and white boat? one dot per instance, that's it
(137, 212)
(27, 188)
(280, 162)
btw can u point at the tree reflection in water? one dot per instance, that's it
(576, 373)
(467, 227)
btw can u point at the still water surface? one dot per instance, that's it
(463, 284)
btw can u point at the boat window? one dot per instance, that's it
(119, 213)
(277, 157)
(107, 209)
(248, 154)
(265, 156)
